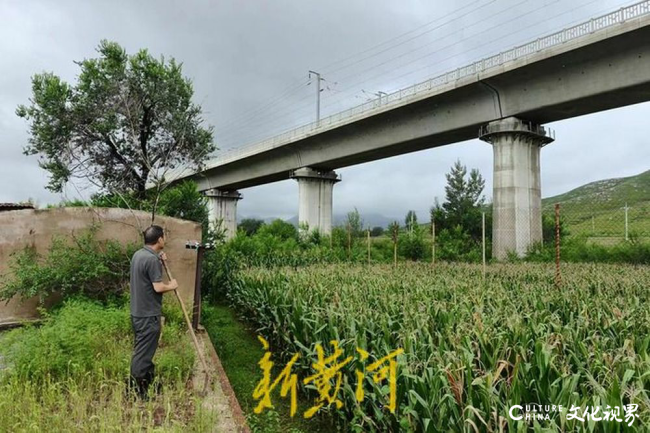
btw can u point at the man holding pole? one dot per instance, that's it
(146, 306)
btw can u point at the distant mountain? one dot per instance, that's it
(606, 194)
(586, 205)
(369, 219)
(597, 209)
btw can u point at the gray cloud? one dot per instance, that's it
(241, 55)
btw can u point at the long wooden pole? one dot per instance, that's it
(483, 236)
(349, 242)
(189, 326)
(433, 242)
(368, 246)
(558, 276)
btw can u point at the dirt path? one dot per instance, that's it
(220, 397)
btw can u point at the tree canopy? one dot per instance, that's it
(127, 121)
(463, 201)
(410, 220)
(354, 223)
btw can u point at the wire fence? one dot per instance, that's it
(579, 231)
(602, 225)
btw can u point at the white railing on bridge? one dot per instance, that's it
(413, 92)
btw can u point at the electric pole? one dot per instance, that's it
(318, 78)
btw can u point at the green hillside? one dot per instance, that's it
(597, 208)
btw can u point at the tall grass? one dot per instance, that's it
(70, 374)
(90, 404)
(472, 348)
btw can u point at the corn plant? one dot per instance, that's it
(471, 349)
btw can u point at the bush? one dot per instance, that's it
(411, 244)
(83, 337)
(580, 249)
(457, 245)
(83, 265)
(280, 229)
(250, 226)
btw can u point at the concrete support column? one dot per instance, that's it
(315, 198)
(222, 210)
(517, 194)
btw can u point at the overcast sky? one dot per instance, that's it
(249, 62)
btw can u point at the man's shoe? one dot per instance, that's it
(143, 388)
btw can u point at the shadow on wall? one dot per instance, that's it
(36, 227)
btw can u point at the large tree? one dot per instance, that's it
(463, 192)
(127, 121)
(463, 201)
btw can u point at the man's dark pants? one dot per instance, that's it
(147, 333)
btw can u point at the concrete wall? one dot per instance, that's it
(35, 228)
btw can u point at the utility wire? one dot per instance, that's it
(437, 51)
(362, 59)
(346, 90)
(289, 91)
(446, 69)
(355, 56)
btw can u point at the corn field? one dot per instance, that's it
(473, 346)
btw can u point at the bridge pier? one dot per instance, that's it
(315, 198)
(222, 210)
(517, 193)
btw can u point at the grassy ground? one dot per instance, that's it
(240, 351)
(70, 374)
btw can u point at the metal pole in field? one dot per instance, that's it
(483, 235)
(558, 278)
(349, 242)
(626, 232)
(368, 245)
(433, 242)
(318, 78)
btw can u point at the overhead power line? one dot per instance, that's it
(293, 110)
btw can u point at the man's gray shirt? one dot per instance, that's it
(146, 269)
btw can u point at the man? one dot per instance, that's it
(146, 306)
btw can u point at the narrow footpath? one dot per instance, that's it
(220, 398)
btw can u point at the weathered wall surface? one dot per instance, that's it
(35, 228)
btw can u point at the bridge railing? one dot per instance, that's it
(418, 90)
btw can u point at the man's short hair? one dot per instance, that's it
(152, 234)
